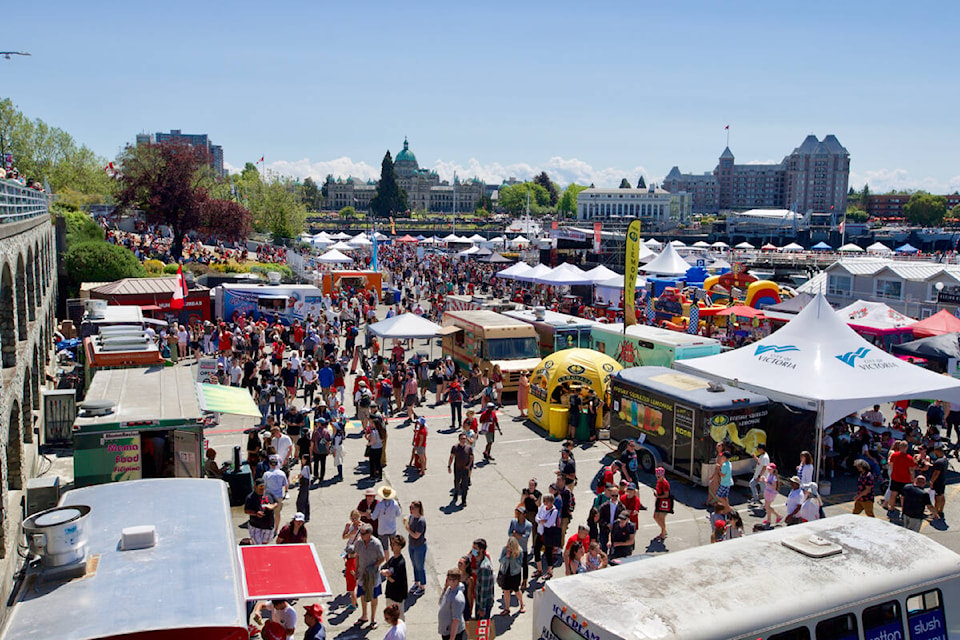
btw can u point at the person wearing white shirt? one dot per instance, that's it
(794, 501)
(810, 507)
(236, 373)
(762, 459)
(386, 513)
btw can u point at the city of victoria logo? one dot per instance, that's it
(764, 348)
(778, 355)
(575, 369)
(606, 366)
(538, 409)
(850, 357)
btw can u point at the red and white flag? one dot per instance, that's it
(180, 293)
(726, 128)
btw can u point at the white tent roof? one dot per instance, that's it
(323, 235)
(617, 282)
(678, 243)
(468, 252)
(565, 274)
(667, 263)
(317, 240)
(792, 248)
(702, 244)
(770, 247)
(340, 235)
(343, 246)
(513, 272)
(652, 243)
(519, 240)
(405, 326)
(381, 236)
(873, 314)
(879, 247)
(497, 239)
(334, 257)
(850, 248)
(477, 238)
(720, 263)
(646, 253)
(720, 244)
(816, 360)
(534, 273)
(361, 241)
(600, 273)
(745, 245)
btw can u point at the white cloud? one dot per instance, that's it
(561, 170)
(881, 180)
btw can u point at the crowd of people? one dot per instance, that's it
(13, 174)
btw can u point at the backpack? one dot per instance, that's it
(364, 398)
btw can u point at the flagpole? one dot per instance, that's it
(728, 136)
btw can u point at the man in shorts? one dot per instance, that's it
(369, 558)
(489, 425)
(938, 479)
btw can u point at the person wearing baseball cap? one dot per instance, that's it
(313, 616)
(794, 501)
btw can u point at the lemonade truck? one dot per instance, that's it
(678, 419)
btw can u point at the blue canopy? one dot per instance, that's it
(907, 248)
(822, 246)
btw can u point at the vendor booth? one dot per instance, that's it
(940, 353)
(356, 280)
(817, 362)
(938, 324)
(559, 375)
(155, 297)
(878, 323)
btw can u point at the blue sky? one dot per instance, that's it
(588, 91)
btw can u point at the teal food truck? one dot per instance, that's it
(138, 423)
(556, 331)
(641, 345)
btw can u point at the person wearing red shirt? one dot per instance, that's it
(631, 503)
(297, 335)
(226, 342)
(418, 457)
(901, 472)
(662, 502)
(583, 537)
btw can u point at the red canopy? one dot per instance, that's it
(407, 238)
(939, 323)
(742, 311)
(282, 571)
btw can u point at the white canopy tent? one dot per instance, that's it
(498, 240)
(514, 272)
(793, 247)
(679, 244)
(334, 257)
(361, 241)
(536, 272)
(646, 254)
(817, 362)
(879, 248)
(477, 238)
(321, 241)
(719, 264)
(874, 315)
(719, 244)
(342, 246)
(600, 273)
(519, 240)
(656, 245)
(564, 275)
(340, 235)
(405, 326)
(468, 252)
(668, 263)
(380, 236)
(850, 248)
(700, 244)
(745, 246)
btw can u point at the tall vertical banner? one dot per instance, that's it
(373, 258)
(631, 265)
(596, 236)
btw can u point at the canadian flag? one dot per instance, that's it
(180, 293)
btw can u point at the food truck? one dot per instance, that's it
(138, 423)
(118, 348)
(643, 345)
(288, 302)
(678, 420)
(558, 376)
(556, 331)
(488, 338)
(357, 280)
(149, 560)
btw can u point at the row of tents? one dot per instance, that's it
(877, 248)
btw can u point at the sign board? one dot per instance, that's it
(124, 455)
(207, 370)
(596, 237)
(59, 412)
(949, 295)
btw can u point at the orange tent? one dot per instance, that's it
(407, 238)
(939, 323)
(741, 311)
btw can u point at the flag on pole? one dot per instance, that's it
(261, 160)
(726, 128)
(631, 262)
(180, 292)
(373, 257)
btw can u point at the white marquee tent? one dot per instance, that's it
(793, 247)
(362, 241)
(720, 244)
(514, 272)
(700, 244)
(667, 263)
(817, 362)
(535, 273)
(405, 326)
(679, 244)
(652, 244)
(745, 246)
(565, 274)
(334, 257)
(340, 235)
(879, 248)
(600, 273)
(343, 246)
(874, 315)
(850, 248)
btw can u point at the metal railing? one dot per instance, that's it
(18, 202)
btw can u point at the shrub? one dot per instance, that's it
(170, 269)
(81, 228)
(94, 261)
(153, 267)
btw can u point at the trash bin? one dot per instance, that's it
(582, 432)
(388, 298)
(240, 483)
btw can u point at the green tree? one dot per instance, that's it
(310, 195)
(277, 209)
(925, 209)
(855, 214)
(513, 198)
(568, 201)
(97, 261)
(865, 196)
(544, 181)
(955, 212)
(484, 202)
(43, 152)
(390, 199)
(347, 213)
(624, 183)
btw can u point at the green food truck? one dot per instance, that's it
(139, 423)
(556, 331)
(642, 345)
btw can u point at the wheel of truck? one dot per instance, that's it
(646, 460)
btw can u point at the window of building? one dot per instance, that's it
(839, 285)
(888, 289)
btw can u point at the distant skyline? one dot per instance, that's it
(588, 92)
